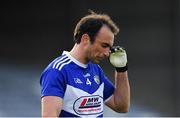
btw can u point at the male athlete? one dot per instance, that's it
(74, 85)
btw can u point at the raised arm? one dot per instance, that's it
(120, 101)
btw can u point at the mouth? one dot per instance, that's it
(100, 58)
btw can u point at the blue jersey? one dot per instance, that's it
(83, 87)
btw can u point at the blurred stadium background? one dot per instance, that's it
(33, 33)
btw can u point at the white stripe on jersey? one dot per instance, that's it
(58, 61)
(75, 60)
(64, 64)
(61, 62)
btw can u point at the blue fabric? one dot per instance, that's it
(64, 71)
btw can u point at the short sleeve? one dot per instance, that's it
(108, 86)
(52, 83)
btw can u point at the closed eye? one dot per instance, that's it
(105, 45)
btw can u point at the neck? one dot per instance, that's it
(78, 53)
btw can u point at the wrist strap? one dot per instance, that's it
(122, 69)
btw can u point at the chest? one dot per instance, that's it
(84, 92)
(85, 80)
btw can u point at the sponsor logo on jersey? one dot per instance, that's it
(96, 79)
(88, 105)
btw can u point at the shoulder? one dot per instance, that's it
(58, 63)
(56, 67)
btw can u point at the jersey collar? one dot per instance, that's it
(74, 60)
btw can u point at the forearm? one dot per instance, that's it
(122, 91)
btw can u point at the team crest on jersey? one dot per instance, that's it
(96, 79)
(88, 105)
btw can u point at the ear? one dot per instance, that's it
(85, 39)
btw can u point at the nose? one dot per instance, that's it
(107, 52)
